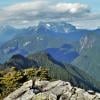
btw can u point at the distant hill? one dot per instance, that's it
(66, 53)
(57, 70)
(7, 33)
(20, 62)
(66, 72)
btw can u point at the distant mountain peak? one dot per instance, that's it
(62, 27)
(6, 28)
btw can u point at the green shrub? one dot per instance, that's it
(11, 79)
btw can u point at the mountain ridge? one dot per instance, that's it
(73, 74)
(35, 39)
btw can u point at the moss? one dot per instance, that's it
(12, 79)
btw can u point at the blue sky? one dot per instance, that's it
(94, 4)
(10, 2)
(27, 12)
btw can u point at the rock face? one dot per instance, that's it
(56, 90)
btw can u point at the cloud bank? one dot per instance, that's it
(29, 13)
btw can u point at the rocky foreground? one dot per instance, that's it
(56, 90)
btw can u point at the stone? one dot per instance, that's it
(56, 90)
(54, 84)
(41, 83)
(91, 92)
(16, 94)
(28, 84)
(73, 97)
(66, 96)
(27, 95)
(44, 96)
(80, 96)
(19, 92)
(88, 96)
(98, 94)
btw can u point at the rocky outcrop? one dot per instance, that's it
(56, 90)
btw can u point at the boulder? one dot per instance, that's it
(27, 95)
(14, 95)
(28, 84)
(66, 96)
(44, 96)
(91, 92)
(56, 90)
(88, 96)
(41, 83)
(19, 92)
(79, 93)
(54, 84)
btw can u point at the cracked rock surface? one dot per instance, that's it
(56, 90)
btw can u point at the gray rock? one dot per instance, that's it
(59, 90)
(91, 92)
(66, 96)
(14, 95)
(88, 96)
(56, 90)
(19, 92)
(41, 83)
(27, 95)
(44, 96)
(28, 84)
(54, 84)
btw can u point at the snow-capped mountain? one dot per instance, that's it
(51, 37)
(44, 35)
(8, 32)
(57, 27)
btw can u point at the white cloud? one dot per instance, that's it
(36, 5)
(31, 12)
(70, 7)
(87, 24)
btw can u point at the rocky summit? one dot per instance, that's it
(54, 90)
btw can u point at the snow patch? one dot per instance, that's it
(48, 25)
(26, 43)
(39, 38)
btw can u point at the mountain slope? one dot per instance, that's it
(66, 72)
(33, 39)
(47, 35)
(89, 55)
(66, 53)
(20, 62)
(57, 70)
(7, 33)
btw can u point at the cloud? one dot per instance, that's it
(22, 11)
(28, 13)
(36, 5)
(70, 7)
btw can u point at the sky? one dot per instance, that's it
(23, 13)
